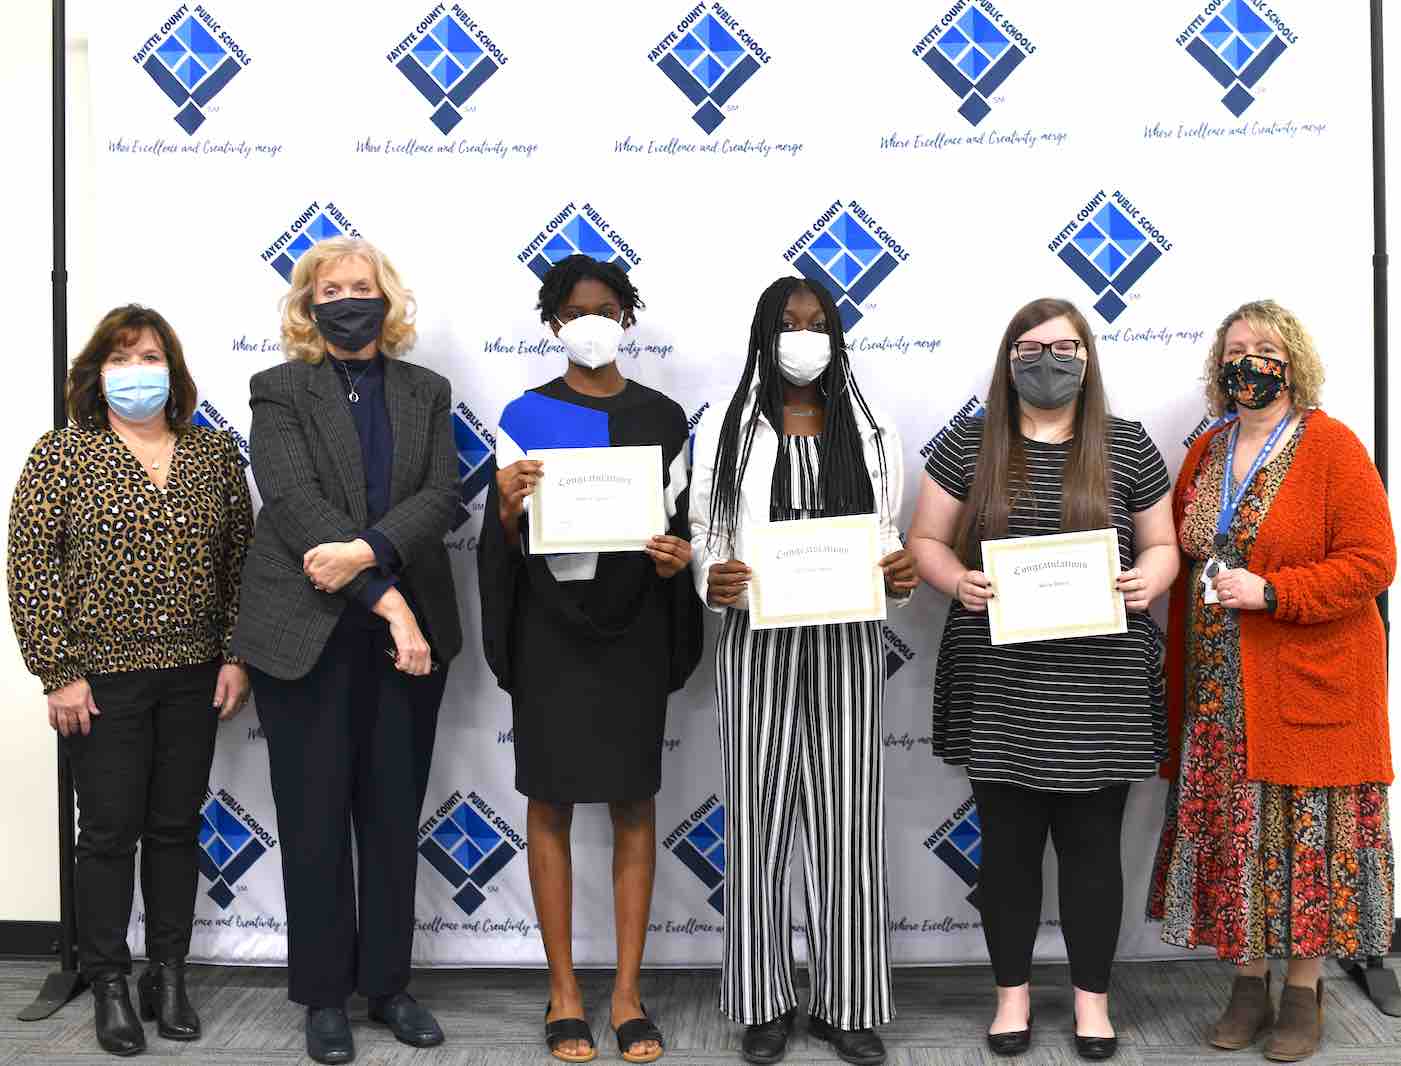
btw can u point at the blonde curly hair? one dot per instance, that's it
(300, 337)
(1268, 317)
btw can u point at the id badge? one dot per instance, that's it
(1209, 573)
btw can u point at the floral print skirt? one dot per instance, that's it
(1255, 869)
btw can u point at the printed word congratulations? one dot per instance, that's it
(763, 148)
(813, 549)
(595, 479)
(1050, 564)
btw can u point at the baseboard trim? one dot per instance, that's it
(29, 939)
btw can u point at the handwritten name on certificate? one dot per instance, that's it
(596, 500)
(1049, 588)
(814, 572)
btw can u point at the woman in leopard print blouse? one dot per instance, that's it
(127, 537)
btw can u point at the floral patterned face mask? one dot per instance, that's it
(1253, 381)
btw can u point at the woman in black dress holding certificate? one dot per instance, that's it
(589, 645)
(1051, 731)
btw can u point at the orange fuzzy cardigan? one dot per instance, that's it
(1314, 671)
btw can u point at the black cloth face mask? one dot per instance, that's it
(1254, 381)
(351, 322)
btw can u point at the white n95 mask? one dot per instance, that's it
(591, 340)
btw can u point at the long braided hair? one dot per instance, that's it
(844, 481)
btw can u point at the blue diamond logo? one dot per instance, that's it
(952, 43)
(447, 72)
(983, 33)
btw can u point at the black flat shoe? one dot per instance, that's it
(768, 1041)
(328, 1036)
(409, 1021)
(164, 1001)
(1096, 1048)
(639, 1031)
(557, 1032)
(860, 1046)
(119, 1030)
(1015, 1043)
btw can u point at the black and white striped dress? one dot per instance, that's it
(800, 743)
(1058, 715)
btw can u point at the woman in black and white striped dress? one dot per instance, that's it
(1051, 732)
(799, 708)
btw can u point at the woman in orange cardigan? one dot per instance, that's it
(1276, 842)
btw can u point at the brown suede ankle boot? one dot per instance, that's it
(1299, 1030)
(1247, 1015)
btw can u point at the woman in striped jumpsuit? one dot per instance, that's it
(799, 708)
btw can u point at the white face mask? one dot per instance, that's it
(591, 340)
(803, 355)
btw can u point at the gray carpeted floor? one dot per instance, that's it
(493, 1018)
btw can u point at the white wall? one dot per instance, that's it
(28, 845)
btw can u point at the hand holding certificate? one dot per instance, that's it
(1048, 588)
(597, 500)
(815, 571)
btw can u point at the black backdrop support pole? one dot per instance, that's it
(61, 986)
(1376, 980)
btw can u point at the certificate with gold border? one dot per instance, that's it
(596, 500)
(1053, 587)
(814, 572)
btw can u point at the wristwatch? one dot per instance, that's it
(1271, 599)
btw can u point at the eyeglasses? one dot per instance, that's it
(1031, 351)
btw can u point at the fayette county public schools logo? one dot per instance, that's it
(191, 57)
(959, 843)
(315, 223)
(1236, 46)
(850, 253)
(577, 231)
(230, 842)
(476, 459)
(469, 844)
(1110, 244)
(897, 652)
(973, 53)
(447, 57)
(699, 842)
(708, 56)
(207, 415)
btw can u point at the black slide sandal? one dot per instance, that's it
(638, 1031)
(558, 1032)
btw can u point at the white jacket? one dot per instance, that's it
(756, 490)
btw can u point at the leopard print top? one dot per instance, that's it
(107, 572)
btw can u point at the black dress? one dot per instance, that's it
(588, 646)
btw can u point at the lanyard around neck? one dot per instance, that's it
(1230, 502)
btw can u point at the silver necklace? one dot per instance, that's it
(352, 395)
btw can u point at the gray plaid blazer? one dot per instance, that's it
(306, 462)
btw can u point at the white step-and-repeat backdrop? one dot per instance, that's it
(934, 164)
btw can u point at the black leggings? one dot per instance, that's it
(1086, 828)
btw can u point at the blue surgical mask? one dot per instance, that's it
(137, 393)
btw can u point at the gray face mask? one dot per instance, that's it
(1048, 384)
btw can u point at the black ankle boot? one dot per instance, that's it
(163, 1000)
(118, 1028)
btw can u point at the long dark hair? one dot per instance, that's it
(1001, 476)
(844, 481)
(87, 407)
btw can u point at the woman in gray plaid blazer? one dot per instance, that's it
(348, 621)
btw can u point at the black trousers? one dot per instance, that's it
(349, 746)
(140, 776)
(1085, 828)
